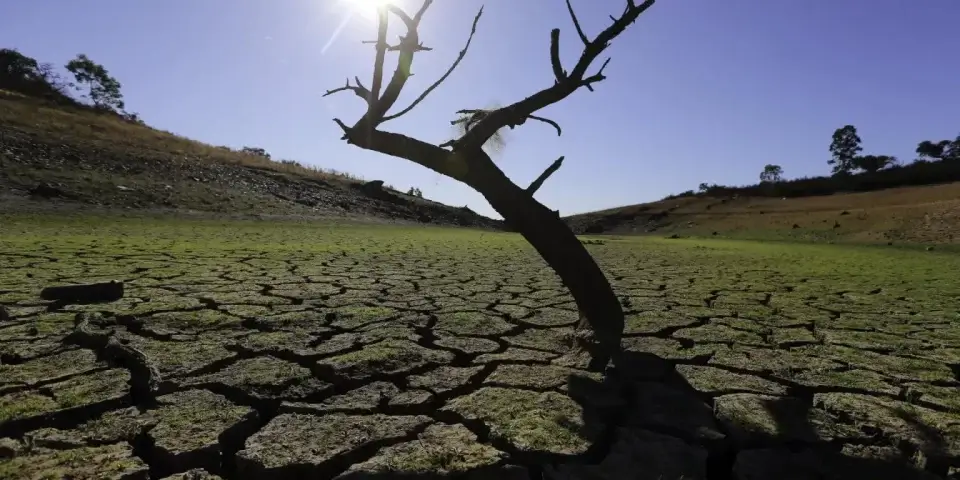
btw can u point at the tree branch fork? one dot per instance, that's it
(454, 158)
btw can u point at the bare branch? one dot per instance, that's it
(411, 25)
(344, 127)
(471, 117)
(463, 53)
(382, 23)
(558, 71)
(423, 9)
(360, 90)
(576, 23)
(397, 47)
(409, 45)
(517, 113)
(597, 77)
(409, 148)
(547, 121)
(357, 79)
(532, 189)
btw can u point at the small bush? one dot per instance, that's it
(917, 173)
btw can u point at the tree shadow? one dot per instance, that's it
(657, 426)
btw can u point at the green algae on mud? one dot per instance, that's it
(405, 338)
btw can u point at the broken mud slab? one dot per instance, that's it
(789, 337)
(936, 434)
(661, 408)
(853, 461)
(280, 343)
(114, 426)
(299, 320)
(468, 345)
(639, 454)
(46, 326)
(877, 341)
(551, 317)
(533, 423)
(900, 367)
(195, 474)
(100, 391)
(22, 351)
(443, 379)
(188, 322)
(472, 323)
(548, 339)
(177, 358)
(843, 380)
(194, 427)
(719, 333)
(182, 431)
(113, 462)
(756, 421)
(388, 331)
(517, 355)
(351, 316)
(262, 378)
(367, 399)
(384, 358)
(315, 446)
(669, 349)
(768, 360)
(441, 451)
(946, 397)
(84, 293)
(48, 369)
(10, 447)
(716, 381)
(536, 377)
(337, 344)
(650, 323)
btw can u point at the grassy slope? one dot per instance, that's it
(103, 160)
(929, 214)
(103, 132)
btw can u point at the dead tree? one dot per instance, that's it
(601, 322)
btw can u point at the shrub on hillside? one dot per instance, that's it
(918, 173)
(22, 74)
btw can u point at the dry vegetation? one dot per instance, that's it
(924, 214)
(71, 156)
(110, 132)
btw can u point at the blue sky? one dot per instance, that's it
(698, 90)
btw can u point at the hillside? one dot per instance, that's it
(56, 155)
(922, 214)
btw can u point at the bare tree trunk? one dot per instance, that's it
(601, 317)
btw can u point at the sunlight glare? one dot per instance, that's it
(366, 8)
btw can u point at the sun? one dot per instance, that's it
(366, 8)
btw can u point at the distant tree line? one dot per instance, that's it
(936, 162)
(92, 85)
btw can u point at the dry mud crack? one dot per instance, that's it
(351, 366)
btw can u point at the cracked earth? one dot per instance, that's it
(444, 355)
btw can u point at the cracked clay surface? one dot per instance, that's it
(395, 354)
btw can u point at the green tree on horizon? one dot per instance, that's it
(102, 89)
(771, 173)
(845, 147)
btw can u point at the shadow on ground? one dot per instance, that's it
(654, 425)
